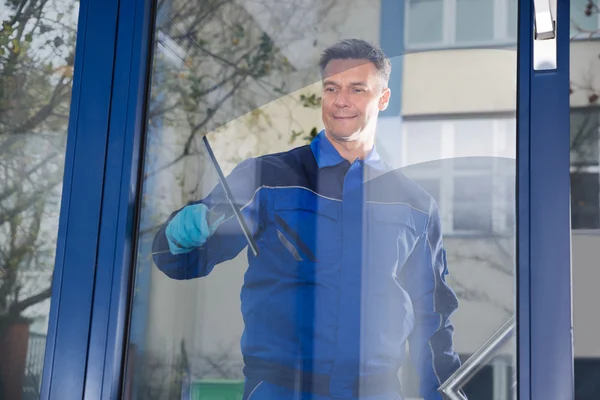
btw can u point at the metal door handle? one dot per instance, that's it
(544, 35)
(545, 26)
(451, 388)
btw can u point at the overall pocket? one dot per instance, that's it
(307, 225)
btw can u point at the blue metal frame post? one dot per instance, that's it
(81, 209)
(117, 246)
(544, 269)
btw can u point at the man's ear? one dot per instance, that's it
(384, 98)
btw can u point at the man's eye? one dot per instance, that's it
(358, 90)
(329, 89)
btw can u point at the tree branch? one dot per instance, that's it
(18, 308)
(25, 203)
(44, 112)
(197, 128)
(10, 190)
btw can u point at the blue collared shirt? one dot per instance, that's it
(351, 266)
(327, 156)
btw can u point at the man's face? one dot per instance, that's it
(353, 95)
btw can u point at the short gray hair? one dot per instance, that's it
(357, 49)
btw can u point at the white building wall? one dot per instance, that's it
(459, 82)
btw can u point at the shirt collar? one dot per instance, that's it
(327, 156)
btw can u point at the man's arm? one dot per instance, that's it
(430, 343)
(227, 240)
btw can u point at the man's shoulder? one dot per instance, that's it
(283, 168)
(288, 158)
(394, 186)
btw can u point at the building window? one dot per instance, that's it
(585, 19)
(473, 19)
(467, 166)
(472, 202)
(584, 195)
(587, 384)
(585, 168)
(431, 14)
(460, 23)
(423, 139)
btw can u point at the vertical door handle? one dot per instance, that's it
(544, 37)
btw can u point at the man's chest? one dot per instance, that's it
(356, 228)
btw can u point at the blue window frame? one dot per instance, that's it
(96, 245)
(81, 210)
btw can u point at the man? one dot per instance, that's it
(350, 263)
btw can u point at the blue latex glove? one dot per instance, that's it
(189, 229)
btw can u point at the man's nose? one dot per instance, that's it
(341, 100)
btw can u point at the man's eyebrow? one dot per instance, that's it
(325, 83)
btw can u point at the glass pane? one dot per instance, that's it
(585, 195)
(425, 140)
(473, 203)
(585, 190)
(327, 262)
(37, 47)
(513, 18)
(426, 22)
(472, 138)
(585, 127)
(474, 21)
(584, 18)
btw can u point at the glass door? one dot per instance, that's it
(328, 202)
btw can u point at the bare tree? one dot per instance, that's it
(36, 71)
(216, 62)
(225, 51)
(223, 65)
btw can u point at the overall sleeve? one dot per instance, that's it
(228, 240)
(431, 341)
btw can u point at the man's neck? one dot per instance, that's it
(353, 149)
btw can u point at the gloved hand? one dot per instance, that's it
(189, 229)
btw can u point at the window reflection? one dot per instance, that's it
(37, 47)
